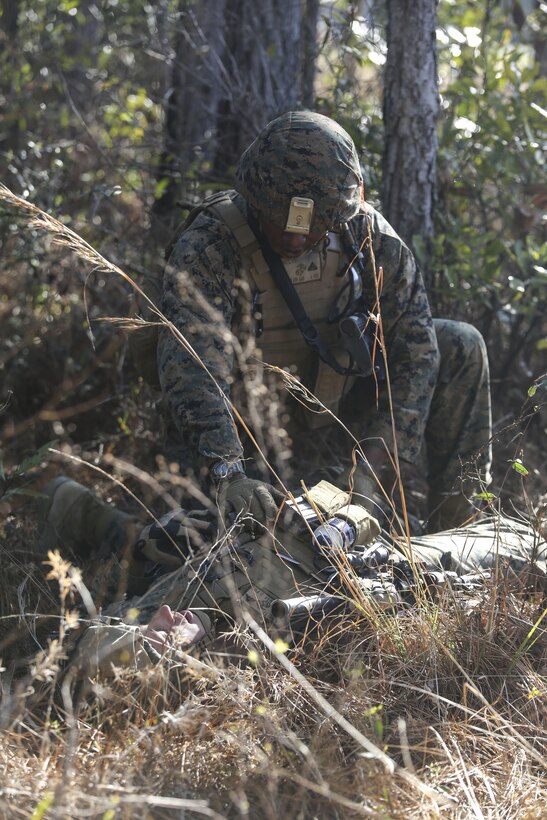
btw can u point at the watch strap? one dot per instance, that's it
(221, 470)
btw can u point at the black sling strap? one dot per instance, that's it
(294, 303)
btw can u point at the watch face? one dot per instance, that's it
(222, 469)
(219, 469)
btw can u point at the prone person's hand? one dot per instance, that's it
(362, 479)
(362, 486)
(167, 540)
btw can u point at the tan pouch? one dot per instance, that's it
(366, 526)
(332, 501)
(328, 498)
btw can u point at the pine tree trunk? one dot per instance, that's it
(411, 105)
(9, 26)
(262, 67)
(237, 65)
(309, 51)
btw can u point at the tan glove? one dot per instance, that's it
(249, 501)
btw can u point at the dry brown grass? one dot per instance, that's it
(454, 699)
(454, 696)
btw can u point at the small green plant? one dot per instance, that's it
(16, 480)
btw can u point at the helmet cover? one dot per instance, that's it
(302, 154)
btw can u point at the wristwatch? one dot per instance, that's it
(220, 470)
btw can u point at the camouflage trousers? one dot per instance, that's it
(456, 451)
(250, 577)
(242, 574)
(459, 427)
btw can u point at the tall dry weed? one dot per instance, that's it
(447, 692)
(438, 712)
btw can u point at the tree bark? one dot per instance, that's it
(262, 61)
(190, 107)
(411, 105)
(309, 52)
(9, 27)
(237, 65)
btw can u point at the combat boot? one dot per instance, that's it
(74, 519)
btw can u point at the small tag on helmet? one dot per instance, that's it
(300, 215)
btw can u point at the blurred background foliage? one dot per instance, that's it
(84, 90)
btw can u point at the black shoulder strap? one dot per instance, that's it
(279, 275)
(294, 303)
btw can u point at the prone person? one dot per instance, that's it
(322, 544)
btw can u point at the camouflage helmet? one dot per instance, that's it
(302, 154)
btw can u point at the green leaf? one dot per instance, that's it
(161, 185)
(373, 710)
(34, 460)
(379, 728)
(519, 467)
(532, 391)
(42, 807)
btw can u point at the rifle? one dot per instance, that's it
(388, 579)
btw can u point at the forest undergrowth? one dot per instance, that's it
(446, 703)
(439, 711)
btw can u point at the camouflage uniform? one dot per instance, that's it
(438, 369)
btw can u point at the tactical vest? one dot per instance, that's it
(280, 343)
(314, 277)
